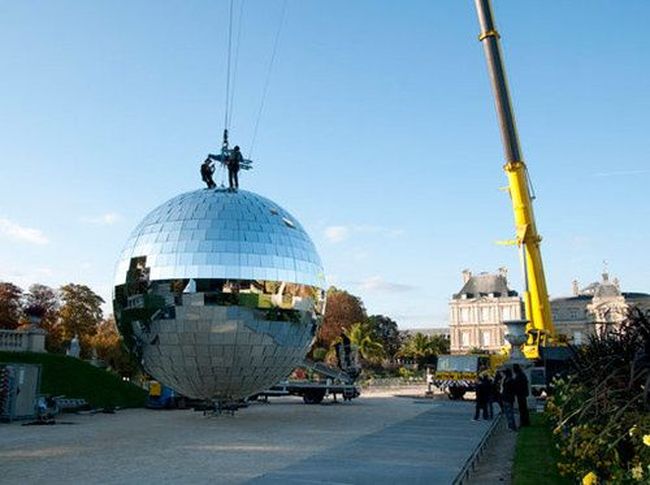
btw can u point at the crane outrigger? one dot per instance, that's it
(540, 328)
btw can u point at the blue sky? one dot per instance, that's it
(378, 134)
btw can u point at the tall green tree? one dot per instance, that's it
(47, 299)
(424, 349)
(362, 336)
(80, 314)
(11, 303)
(341, 312)
(386, 332)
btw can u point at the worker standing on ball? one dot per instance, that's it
(234, 163)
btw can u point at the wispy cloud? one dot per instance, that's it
(378, 284)
(107, 219)
(337, 234)
(24, 277)
(619, 173)
(15, 231)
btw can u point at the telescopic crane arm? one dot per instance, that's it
(536, 300)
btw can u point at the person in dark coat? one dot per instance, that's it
(483, 392)
(521, 392)
(207, 169)
(508, 398)
(495, 397)
(235, 160)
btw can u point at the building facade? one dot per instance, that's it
(477, 311)
(594, 308)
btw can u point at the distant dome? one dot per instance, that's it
(219, 293)
(606, 290)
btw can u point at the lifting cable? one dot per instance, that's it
(231, 75)
(229, 59)
(268, 79)
(236, 61)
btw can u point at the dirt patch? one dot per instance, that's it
(495, 466)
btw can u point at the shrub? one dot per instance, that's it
(600, 409)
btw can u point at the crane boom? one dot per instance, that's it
(536, 300)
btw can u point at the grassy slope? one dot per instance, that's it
(536, 456)
(74, 378)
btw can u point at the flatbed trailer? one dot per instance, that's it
(312, 392)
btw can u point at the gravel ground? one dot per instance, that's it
(148, 446)
(495, 466)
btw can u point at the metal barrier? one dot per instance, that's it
(471, 462)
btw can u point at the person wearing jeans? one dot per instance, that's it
(508, 398)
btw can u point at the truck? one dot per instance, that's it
(313, 381)
(325, 381)
(539, 332)
(457, 374)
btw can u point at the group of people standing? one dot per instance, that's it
(231, 159)
(507, 386)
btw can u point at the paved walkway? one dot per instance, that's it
(375, 438)
(430, 448)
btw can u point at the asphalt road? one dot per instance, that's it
(374, 439)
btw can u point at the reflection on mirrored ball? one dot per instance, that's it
(219, 293)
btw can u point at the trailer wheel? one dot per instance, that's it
(314, 396)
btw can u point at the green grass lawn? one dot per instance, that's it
(75, 378)
(536, 456)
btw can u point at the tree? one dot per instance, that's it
(341, 312)
(80, 314)
(385, 331)
(47, 300)
(370, 349)
(110, 348)
(11, 303)
(424, 349)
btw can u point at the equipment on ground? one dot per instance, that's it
(316, 380)
(19, 391)
(540, 328)
(324, 381)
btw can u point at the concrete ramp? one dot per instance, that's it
(430, 448)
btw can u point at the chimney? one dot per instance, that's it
(467, 274)
(503, 271)
(576, 288)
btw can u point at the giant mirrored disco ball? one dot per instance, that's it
(219, 293)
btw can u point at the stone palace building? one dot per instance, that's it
(477, 310)
(484, 301)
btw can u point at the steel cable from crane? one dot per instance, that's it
(268, 79)
(233, 82)
(228, 62)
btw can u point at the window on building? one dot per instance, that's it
(485, 314)
(464, 339)
(507, 313)
(464, 315)
(573, 313)
(577, 337)
(486, 341)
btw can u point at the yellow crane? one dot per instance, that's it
(540, 328)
